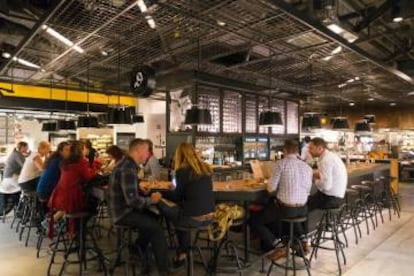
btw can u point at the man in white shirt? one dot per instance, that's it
(305, 154)
(291, 182)
(331, 178)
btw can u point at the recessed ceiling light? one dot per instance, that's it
(351, 104)
(397, 19)
(104, 53)
(42, 70)
(221, 23)
(337, 50)
(393, 104)
(410, 93)
(370, 99)
(356, 78)
(327, 58)
(6, 55)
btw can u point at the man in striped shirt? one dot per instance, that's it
(290, 183)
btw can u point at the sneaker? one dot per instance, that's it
(278, 254)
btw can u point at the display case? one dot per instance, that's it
(255, 148)
(218, 150)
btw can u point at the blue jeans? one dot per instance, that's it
(175, 215)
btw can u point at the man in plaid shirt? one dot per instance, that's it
(130, 207)
(290, 183)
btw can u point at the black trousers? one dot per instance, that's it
(30, 185)
(267, 223)
(150, 231)
(320, 200)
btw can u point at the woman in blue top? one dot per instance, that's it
(51, 173)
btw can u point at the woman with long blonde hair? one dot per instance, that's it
(193, 195)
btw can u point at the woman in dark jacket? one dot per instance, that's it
(193, 195)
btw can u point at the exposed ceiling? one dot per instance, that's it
(282, 47)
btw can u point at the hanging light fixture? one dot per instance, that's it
(370, 118)
(194, 115)
(138, 118)
(340, 122)
(66, 124)
(269, 118)
(311, 120)
(120, 114)
(50, 125)
(362, 126)
(87, 120)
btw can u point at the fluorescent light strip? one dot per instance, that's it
(337, 50)
(151, 22)
(62, 39)
(142, 7)
(26, 63)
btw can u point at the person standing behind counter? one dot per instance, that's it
(152, 169)
(331, 178)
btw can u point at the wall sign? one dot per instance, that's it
(142, 81)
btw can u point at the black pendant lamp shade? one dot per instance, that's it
(270, 118)
(362, 126)
(120, 115)
(66, 125)
(340, 123)
(370, 118)
(196, 116)
(49, 126)
(87, 121)
(311, 120)
(138, 118)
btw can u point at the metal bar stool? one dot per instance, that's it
(373, 200)
(389, 197)
(349, 217)
(30, 217)
(294, 247)
(327, 230)
(365, 212)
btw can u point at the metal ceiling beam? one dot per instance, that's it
(45, 18)
(372, 16)
(315, 24)
(110, 21)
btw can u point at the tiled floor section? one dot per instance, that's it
(389, 250)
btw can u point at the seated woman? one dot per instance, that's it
(68, 196)
(115, 155)
(51, 175)
(33, 167)
(193, 194)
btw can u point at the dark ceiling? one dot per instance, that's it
(279, 47)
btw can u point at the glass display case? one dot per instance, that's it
(255, 148)
(217, 150)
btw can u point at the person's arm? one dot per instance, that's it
(38, 162)
(19, 158)
(129, 184)
(274, 180)
(325, 181)
(87, 172)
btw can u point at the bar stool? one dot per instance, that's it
(124, 241)
(194, 233)
(78, 245)
(373, 199)
(327, 230)
(291, 251)
(389, 198)
(231, 253)
(349, 216)
(365, 212)
(29, 218)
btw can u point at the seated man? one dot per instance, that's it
(331, 178)
(128, 207)
(291, 183)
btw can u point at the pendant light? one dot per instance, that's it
(87, 120)
(195, 115)
(340, 122)
(311, 120)
(138, 118)
(269, 118)
(66, 124)
(362, 126)
(370, 118)
(50, 125)
(120, 114)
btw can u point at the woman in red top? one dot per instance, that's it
(68, 196)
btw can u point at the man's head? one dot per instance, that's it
(291, 147)
(317, 147)
(22, 147)
(139, 150)
(307, 139)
